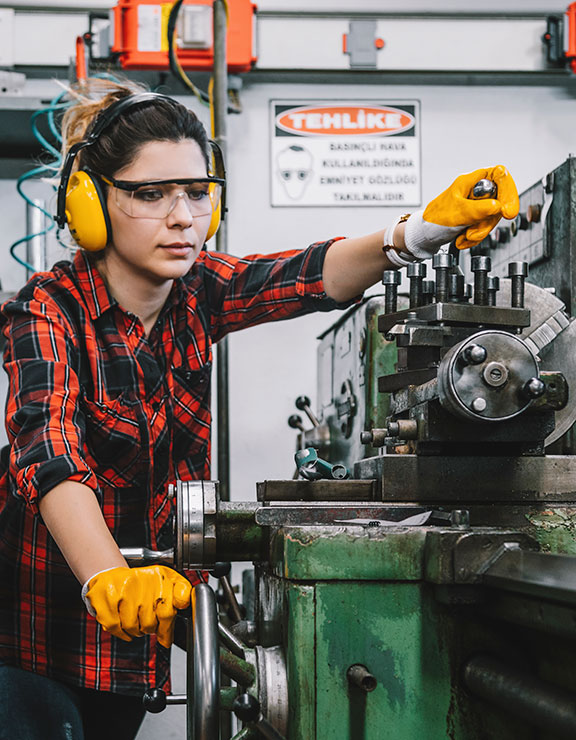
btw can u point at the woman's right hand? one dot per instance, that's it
(131, 602)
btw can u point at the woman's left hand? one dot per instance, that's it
(454, 215)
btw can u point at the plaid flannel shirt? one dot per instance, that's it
(91, 399)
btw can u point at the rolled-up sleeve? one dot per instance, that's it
(44, 423)
(246, 291)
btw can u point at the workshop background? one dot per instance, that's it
(487, 94)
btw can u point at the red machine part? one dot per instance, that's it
(570, 36)
(141, 40)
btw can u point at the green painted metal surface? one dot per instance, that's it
(301, 660)
(324, 553)
(355, 596)
(555, 529)
(381, 627)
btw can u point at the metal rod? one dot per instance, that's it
(441, 264)
(481, 267)
(526, 696)
(231, 598)
(220, 136)
(227, 696)
(239, 670)
(202, 675)
(230, 640)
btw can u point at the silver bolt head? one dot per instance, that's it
(479, 405)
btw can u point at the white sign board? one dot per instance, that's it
(345, 153)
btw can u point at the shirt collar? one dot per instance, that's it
(96, 294)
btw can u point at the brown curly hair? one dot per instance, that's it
(119, 143)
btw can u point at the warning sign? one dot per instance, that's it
(345, 153)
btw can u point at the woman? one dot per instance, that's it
(109, 362)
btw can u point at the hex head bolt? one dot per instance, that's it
(428, 289)
(455, 287)
(517, 272)
(442, 263)
(390, 281)
(481, 267)
(416, 273)
(492, 287)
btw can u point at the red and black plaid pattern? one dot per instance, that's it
(91, 399)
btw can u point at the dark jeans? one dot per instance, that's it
(38, 708)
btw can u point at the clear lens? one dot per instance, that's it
(158, 201)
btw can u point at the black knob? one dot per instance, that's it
(220, 569)
(246, 707)
(154, 701)
(295, 422)
(302, 402)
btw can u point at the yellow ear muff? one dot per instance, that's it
(86, 212)
(214, 193)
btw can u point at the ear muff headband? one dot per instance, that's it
(81, 200)
(101, 123)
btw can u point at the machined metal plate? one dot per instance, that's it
(337, 514)
(418, 478)
(459, 313)
(318, 490)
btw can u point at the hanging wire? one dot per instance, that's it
(173, 60)
(54, 106)
(175, 65)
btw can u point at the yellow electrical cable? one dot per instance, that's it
(211, 104)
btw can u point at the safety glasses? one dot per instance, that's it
(158, 198)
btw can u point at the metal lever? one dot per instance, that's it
(221, 571)
(303, 404)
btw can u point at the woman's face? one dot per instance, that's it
(158, 249)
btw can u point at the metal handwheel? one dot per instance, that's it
(203, 667)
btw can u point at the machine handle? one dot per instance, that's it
(143, 556)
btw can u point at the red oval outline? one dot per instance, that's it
(345, 132)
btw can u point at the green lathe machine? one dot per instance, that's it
(417, 581)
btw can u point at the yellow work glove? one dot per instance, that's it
(454, 215)
(131, 602)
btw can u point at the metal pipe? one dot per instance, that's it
(528, 697)
(220, 102)
(358, 675)
(36, 246)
